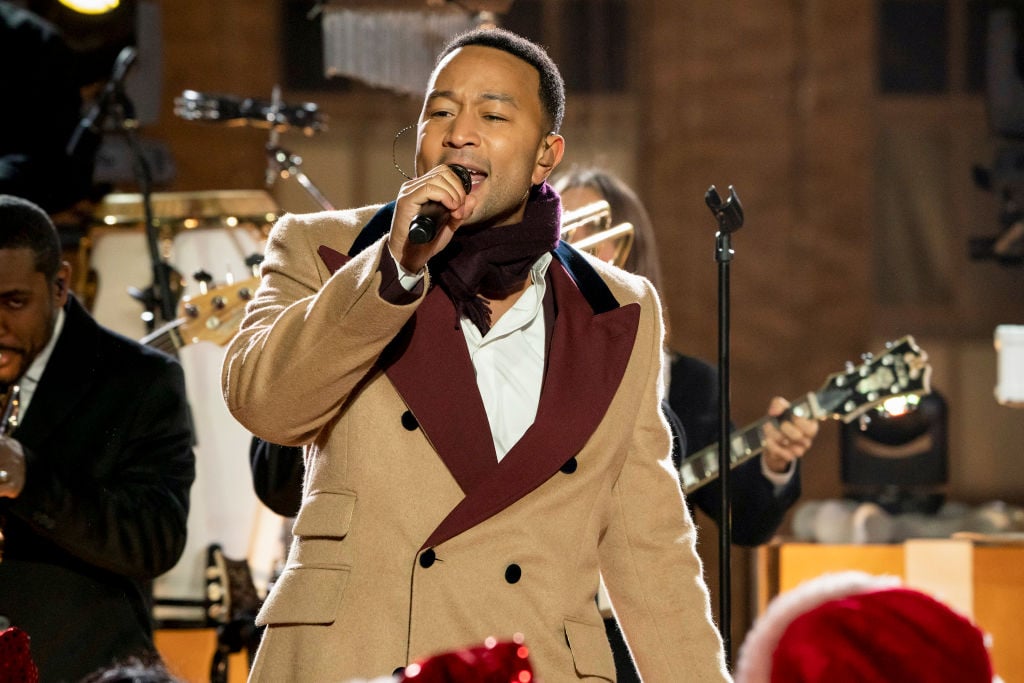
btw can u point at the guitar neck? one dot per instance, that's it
(166, 338)
(702, 467)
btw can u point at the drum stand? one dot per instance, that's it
(282, 163)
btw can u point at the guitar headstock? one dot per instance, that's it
(901, 370)
(216, 314)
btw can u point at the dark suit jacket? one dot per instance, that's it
(109, 467)
(757, 511)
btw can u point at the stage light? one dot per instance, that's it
(899, 405)
(91, 6)
(898, 458)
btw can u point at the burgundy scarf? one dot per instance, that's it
(486, 262)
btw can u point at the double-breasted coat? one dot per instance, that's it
(412, 537)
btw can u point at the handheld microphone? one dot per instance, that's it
(432, 215)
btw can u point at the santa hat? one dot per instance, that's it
(855, 627)
(16, 665)
(492, 662)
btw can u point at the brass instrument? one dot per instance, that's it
(589, 229)
(9, 419)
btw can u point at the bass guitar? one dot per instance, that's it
(213, 315)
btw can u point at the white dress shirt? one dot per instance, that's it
(509, 360)
(27, 384)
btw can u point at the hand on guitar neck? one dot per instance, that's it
(901, 369)
(789, 440)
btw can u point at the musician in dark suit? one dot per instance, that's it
(95, 477)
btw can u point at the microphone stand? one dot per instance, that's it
(160, 295)
(729, 215)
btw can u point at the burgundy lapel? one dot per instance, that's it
(425, 361)
(331, 258)
(432, 371)
(586, 362)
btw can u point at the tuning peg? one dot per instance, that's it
(850, 367)
(864, 422)
(867, 357)
(204, 279)
(254, 261)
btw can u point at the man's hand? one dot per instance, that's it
(783, 445)
(12, 467)
(439, 184)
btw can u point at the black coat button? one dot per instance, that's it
(513, 573)
(427, 558)
(570, 466)
(409, 421)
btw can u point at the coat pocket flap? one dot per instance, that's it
(305, 595)
(326, 514)
(591, 654)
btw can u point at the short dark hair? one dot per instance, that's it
(23, 225)
(552, 87)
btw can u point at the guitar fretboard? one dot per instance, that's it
(165, 338)
(703, 466)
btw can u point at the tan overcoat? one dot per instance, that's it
(412, 538)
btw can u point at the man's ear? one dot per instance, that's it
(549, 156)
(62, 283)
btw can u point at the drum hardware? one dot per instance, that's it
(236, 111)
(284, 164)
(150, 298)
(275, 116)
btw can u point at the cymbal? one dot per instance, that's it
(192, 105)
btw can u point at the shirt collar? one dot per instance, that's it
(35, 371)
